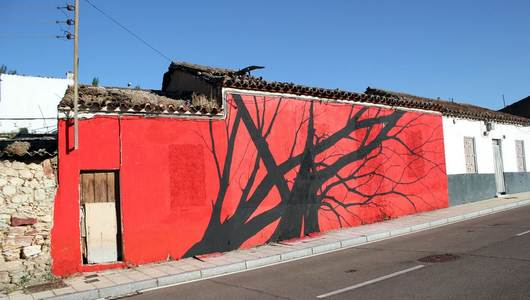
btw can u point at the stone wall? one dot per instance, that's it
(27, 192)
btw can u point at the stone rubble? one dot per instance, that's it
(27, 192)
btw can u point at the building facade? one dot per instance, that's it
(485, 159)
(220, 160)
(29, 103)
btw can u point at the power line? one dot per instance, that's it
(26, 36)
(66, 34)
(129, 31)
(26, 6)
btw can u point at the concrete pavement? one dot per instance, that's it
(115, 283)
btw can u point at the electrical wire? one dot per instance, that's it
(61, 10)
(128, 31)
(26, 36)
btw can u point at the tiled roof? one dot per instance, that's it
(233, 79)
(452, 109)
(160, 102)
(28, 147)
(135, 100)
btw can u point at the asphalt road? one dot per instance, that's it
(493, 263)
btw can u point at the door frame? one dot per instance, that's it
(119, 224)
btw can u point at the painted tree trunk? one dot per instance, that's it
(301, 211)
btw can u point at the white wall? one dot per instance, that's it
(30, 97)
(456, 129)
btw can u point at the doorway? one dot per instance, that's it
(498, 167)
(100, 217)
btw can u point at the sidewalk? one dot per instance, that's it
(113, 283)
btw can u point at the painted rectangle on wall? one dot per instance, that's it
(187, 188)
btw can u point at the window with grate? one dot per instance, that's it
(519, 152)
(471, 155)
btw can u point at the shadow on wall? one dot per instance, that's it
(346, 165)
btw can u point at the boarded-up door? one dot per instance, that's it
(101, 232)
(99, 222)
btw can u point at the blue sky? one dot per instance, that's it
(472, 51)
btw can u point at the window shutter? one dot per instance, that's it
(519, 150)
(469, 149)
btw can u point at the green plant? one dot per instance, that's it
(49, 276)
(24, 280)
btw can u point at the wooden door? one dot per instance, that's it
(99, 217)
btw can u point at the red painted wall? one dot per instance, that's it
(196, 186)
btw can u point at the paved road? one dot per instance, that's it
(494, 263)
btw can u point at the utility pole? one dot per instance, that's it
(76, 74)
(503, 101)
(68, 35)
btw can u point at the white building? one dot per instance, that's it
(30, 102)
(485, 158)
(487, 152)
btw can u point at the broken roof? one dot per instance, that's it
(111, 99)
(33, 146)
(201, 68)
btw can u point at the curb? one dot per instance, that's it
(273, 259)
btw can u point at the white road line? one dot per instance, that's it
(523, 233)
(353, 287)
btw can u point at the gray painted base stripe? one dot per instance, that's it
(353, 287)
(523, 233)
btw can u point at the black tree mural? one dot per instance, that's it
(318, 171)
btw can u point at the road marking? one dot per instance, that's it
(353, 287)
(523, 233)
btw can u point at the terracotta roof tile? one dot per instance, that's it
(127, 100)
(375, 96)
(448, 108)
